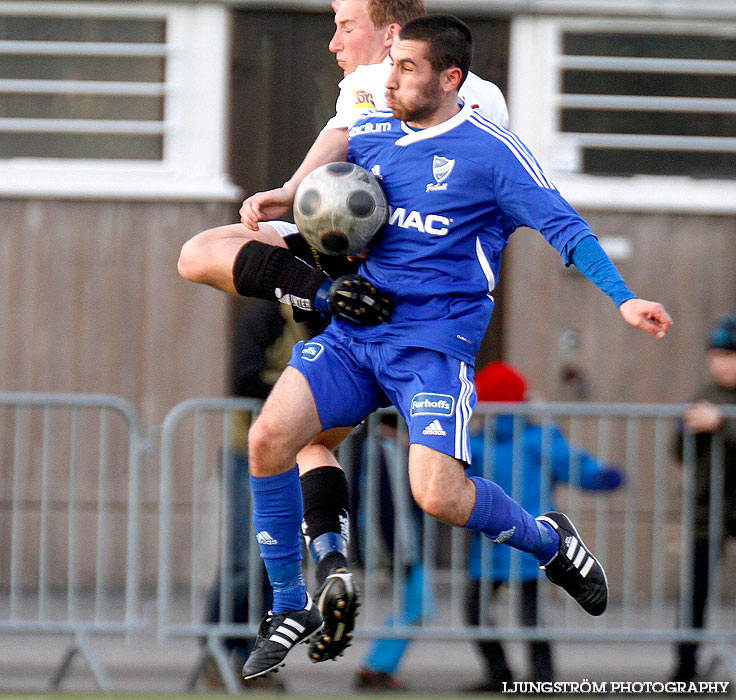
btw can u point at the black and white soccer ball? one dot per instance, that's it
(339, 207)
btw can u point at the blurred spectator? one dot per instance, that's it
(704, 419)
(501, 382)
(496, 382)
(262, 341)
(399, 518)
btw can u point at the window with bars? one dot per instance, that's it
(629, 113)
(82, 87)
(638, 102)
(117, 98)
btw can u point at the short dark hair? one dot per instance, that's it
(385, 12)
(450, 41)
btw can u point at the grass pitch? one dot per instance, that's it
(91, 695)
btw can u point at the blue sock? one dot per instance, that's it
(502, 519)
(550, 542)
(277, 516)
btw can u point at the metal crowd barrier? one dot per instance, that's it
(643, 533)
(69, 520)
(201, 494)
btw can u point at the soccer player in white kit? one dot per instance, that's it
(364, 32)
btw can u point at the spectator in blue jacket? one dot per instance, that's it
(499, 381)
(400, 525)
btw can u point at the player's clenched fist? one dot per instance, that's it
(650, 316)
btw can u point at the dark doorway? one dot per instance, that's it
(283, 90)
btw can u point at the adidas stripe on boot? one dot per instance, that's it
(574, 567)
(278, 635)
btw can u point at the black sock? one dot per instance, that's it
(275, 274)
(326, 525)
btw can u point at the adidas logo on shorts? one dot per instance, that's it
(434, 428)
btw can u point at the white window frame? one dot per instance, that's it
(535, 72)
(195, 91)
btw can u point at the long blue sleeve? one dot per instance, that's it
(591, 474)
(587, 255)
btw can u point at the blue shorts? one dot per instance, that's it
(351, 378)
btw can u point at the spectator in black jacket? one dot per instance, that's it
(704, 420)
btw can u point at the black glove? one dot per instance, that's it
(354, 299)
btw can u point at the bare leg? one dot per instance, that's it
(208, 257)
(320, 451)
(439, 485)
(288, 421)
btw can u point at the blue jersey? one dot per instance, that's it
(456, 192)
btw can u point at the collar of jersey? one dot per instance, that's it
(414, 135)
(364, 70)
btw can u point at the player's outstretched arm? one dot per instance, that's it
(329, 146)
(650, 316)
(588, 256)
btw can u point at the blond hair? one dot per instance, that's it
(385, 12)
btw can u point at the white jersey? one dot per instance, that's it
(364, 91)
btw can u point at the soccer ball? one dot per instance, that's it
(339, 207)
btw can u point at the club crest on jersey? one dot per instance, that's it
(364, 99)
(441, 169)
(311, 351)
(424, 404)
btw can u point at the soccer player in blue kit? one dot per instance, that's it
(458, 186)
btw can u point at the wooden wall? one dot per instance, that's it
(91, 301)
(688, 263)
